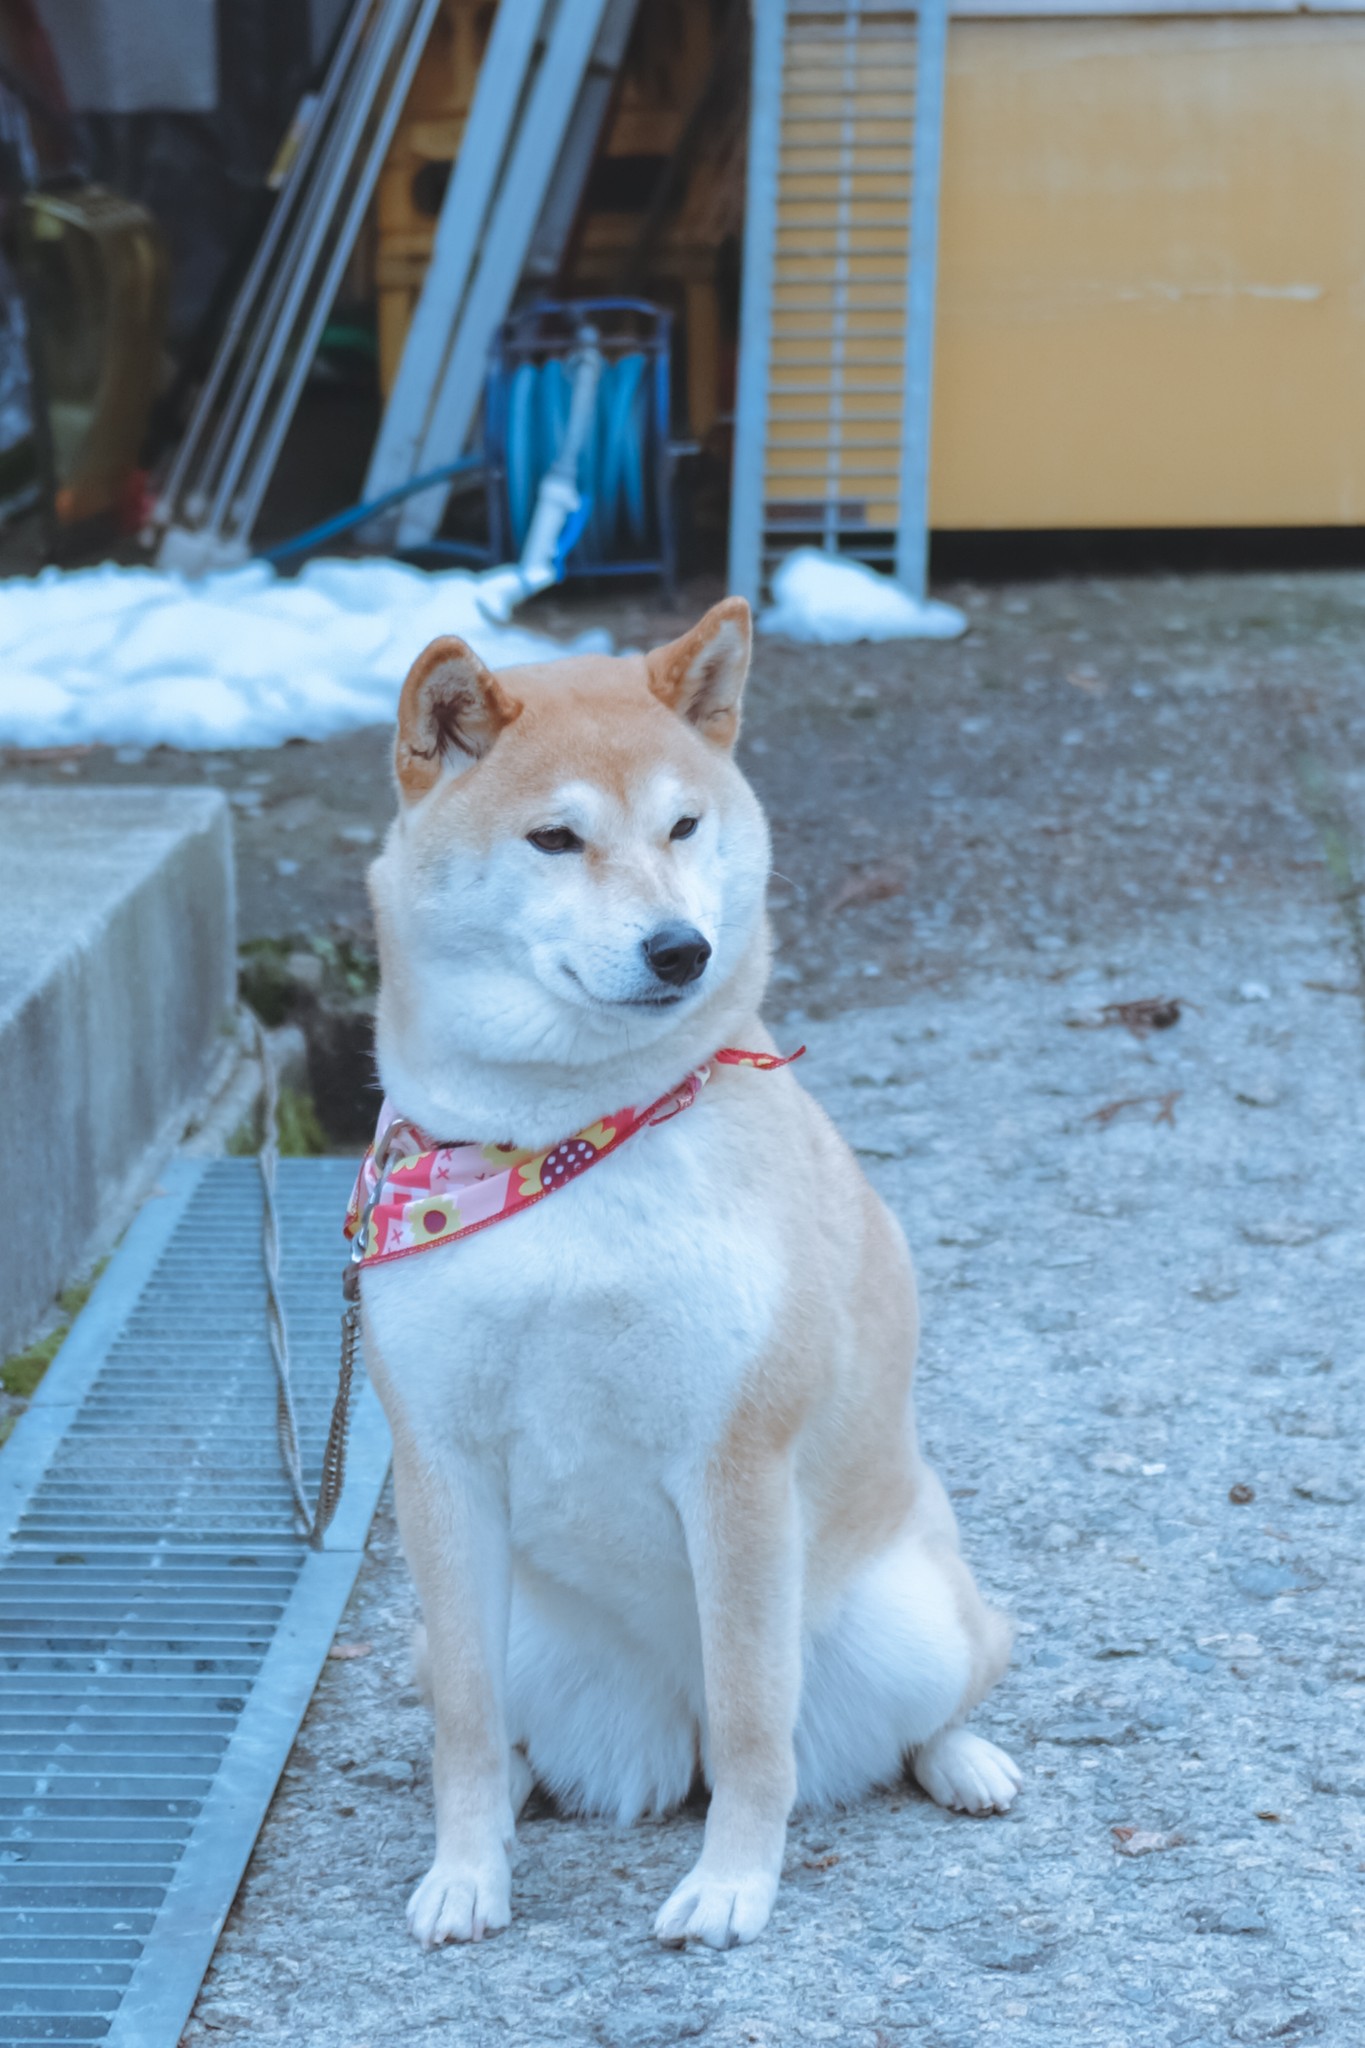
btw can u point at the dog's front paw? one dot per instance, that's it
(965, 1771)
(461, 1902)
(721, 1911)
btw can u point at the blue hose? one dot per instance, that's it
(521, 443)
(613, 470)
(625, 450)
(304, 543)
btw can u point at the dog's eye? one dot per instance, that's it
(684, 828)
(556, 839)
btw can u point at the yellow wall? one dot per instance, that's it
(1152, 281)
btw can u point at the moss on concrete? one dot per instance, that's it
(301, 1135)
(22, 1372)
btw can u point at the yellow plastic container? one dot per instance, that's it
(95, 276)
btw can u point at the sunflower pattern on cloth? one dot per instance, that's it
(412, 1193)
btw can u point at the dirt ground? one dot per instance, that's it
(1142, 1378)
(1093, 755)
(1141, 1274)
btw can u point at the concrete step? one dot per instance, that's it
(117, 983)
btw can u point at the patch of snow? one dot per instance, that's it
(828, 598)
(243, 658)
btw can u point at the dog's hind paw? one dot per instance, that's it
(722, 1912)
(966, 1772)
(461, 1902)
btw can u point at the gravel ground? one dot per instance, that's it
(1142, 1374)
(1142, 1379)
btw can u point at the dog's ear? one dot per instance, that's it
(451, 711)
(701, 676)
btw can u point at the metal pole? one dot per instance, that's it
(511, 225)
(502, 77)
(747, 487)
(912, 537)
(268, 333)
(244, 306)
(394, 93)
(555, 225)
(279, 335)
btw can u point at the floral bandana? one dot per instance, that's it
(412, 1193)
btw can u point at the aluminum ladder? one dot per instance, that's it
(833, 402)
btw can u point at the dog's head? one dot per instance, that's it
(578, 866)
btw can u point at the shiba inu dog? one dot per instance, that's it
(654, 1451)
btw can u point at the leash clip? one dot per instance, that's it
(395, 1131)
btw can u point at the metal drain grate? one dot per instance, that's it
(162, 1625)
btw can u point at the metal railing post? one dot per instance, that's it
(748, 483)
(912, 536)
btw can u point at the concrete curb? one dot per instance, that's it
(117, 978)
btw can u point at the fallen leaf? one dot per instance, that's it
(1268, 1813)
(1241, 1493)
(872, 884)
(1164, 1104)
(1144, 1841)
(1141, 1016)
(342, 1651)
(1286, 1230)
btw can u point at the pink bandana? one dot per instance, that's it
(412, 1193)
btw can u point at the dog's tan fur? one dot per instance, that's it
(802, 1474)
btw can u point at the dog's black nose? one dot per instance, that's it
(677, 953)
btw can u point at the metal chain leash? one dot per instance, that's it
(314, 1520)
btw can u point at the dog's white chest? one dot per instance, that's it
(590, 1350)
